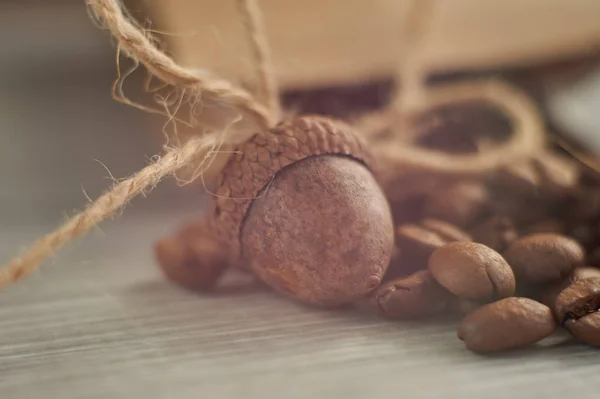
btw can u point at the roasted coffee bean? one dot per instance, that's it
(550, 292)
(559, 175)
(417, 242)
(589, 177)
(544, 258)
(577, 307)
(506, 324)
(473, 271)
(534, 189)
(578, 299)
(517, 179)
(463, 306)
(523, 210)
(461, 203)
(408, 188)
(593, 258)
(585, 234)
(416, 296)
(586, 206)
(546, 176)
(586, 329)
(554, 226)
(446, 231)
(547, 294)
(496, 232)
(408, 210)
(195, 262)
(399, 267)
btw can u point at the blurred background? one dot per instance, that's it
(58, 123)
(107, 317)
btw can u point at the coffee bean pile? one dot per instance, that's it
(516, 254)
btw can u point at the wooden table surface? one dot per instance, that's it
(99, 321)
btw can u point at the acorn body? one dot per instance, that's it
(299, 206)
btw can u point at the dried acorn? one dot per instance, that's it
(300, 207)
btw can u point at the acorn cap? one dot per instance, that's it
(256, 162)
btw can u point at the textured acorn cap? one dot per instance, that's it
(255, 163)
(300, 206)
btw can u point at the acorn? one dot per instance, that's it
(299, 205)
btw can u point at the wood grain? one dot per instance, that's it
(101, 322)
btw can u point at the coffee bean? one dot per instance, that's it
(517, 179)
(461, 203)
(416, 242)
(407, 210)
(533, 189)
(523, 210)
(578, 308)
(506, 324)
(589, 177)
(586, 206)
(192, 259)
(547, 176)
(559, 175)
(473, 271)
(547, 294)
(585, 234)
(463, 306)
(585, 272)
(578, 299)
(400, 187)
(415, 296)
(447, 231)
(554, 226)
(586, 329)
(593, 258)
(496, 232)
(544, 258)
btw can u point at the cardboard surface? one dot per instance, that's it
(333, 42)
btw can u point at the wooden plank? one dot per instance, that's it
(101, 322)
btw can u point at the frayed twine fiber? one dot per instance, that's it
(133, 42)
(104, 207)
(137, 45)
(255, 29)
(410, 76)
(399, 156)
(395, 156)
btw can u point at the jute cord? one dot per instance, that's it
(136, 44)
(200, 84)
(392, 133)
(410, 76)
(104, 207)
(255, 29)
(528, 135)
